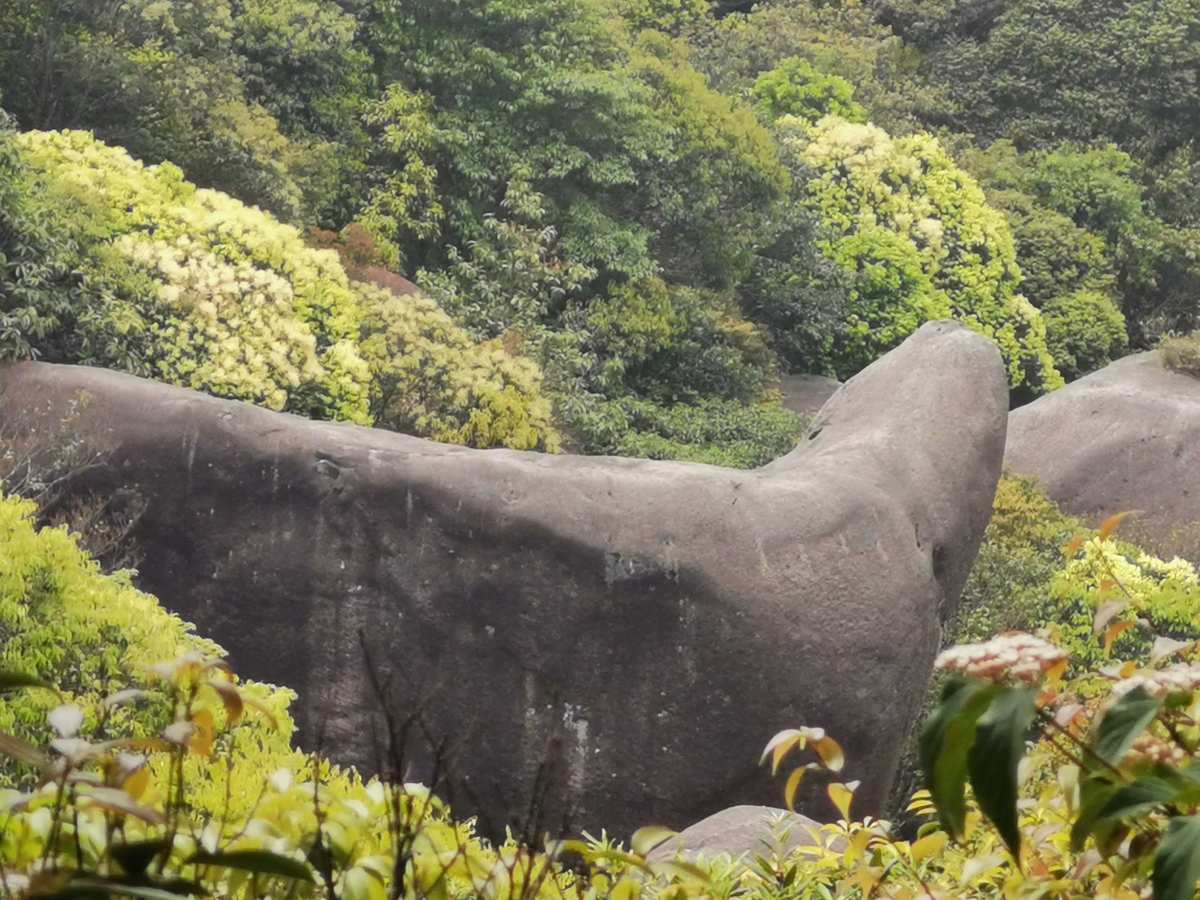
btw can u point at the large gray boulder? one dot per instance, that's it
(662, 619)
(1124, 438)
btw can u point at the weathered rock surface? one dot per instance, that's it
(664, 619)
(806, 394)
(750, 830)
(1124, 438)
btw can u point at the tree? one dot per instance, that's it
(796, 88)
(865, 181)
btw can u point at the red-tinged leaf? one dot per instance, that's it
(1066, 714)
(1114, 631)
(780, 745)
(1074, 545)
(793, 785)
(21, 750)
(1105, 614)
(1165, 647)
(1109, 525)
(831, 753)
(232, 698)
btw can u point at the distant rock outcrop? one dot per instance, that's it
(806, 394)
(750, 830)
(659, 620)
(1124, 438)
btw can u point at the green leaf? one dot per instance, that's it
(135, 857)
(646, 839)
(12, 681)
(21, 750)
(993, 759)
(1121, 725)
(260, 862)
(1177, 862)
(82, 887)
(1144, 794)
(1095, 791)
(945, 740)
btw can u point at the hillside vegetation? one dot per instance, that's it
(626, 218)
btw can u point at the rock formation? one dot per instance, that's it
(661, 620)
(806, 394)
(750, 830)
(1124, 438)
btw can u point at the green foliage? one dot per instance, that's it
(1093, 187)
(891, 295)
(706, 192)
(839, 40)
(675, 345)
(1181, 352)
(163, 760)
(717, 432)
(864, 181)
(796, 88)
(1040, 71)
(1108, 769)
(1084, 331)
(196, 289)
(251, 98)
(1040, 569)
(38, 286)
(670, 16)
(430, 378)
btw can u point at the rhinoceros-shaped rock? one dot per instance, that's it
(663, 619)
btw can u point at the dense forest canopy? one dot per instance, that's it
(637, 212)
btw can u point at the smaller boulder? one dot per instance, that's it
(750, 830)
(1124, 438)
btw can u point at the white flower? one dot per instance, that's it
(1014, 656)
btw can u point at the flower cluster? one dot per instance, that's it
(1014, 656)
(1178, 679)
(1152, 749)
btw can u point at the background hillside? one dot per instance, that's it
(627, 217)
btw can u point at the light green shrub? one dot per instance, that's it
(865, 179)
(882, 267)
(796, 87)
(1027, 577)
(194, 288)
(1084, 331)
(1181, 352)
(429, 377)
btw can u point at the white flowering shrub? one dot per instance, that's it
(222, 327)
(197, 289)
(430, 378)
